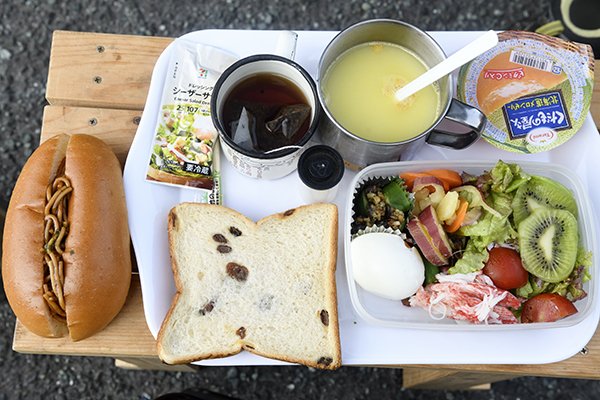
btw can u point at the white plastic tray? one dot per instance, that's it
(362, 343)
(380, 311)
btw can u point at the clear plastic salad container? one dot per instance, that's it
(383, 312)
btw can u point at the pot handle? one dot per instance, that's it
(463, 114)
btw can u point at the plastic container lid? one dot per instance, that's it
(321, 167)
(534, 89)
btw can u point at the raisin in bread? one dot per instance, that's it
(266, 287)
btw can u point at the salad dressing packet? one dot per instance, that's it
(185, 148)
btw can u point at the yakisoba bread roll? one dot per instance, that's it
(66, 261)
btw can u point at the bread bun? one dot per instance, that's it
(96, 261)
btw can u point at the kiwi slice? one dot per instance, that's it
(548, 241)
(540, 192)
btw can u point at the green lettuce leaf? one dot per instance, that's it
(501, 202)
(525, 291)
(472, 260)
(489, 229)
(532, 288)
(506, 178)
(494, 225)
(584, 259)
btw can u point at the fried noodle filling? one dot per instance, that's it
(56, 228)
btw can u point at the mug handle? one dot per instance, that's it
(286, 44)
(463, 114)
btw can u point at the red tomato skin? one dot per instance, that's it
(546, 307)
(505, 268)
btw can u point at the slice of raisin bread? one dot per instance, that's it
(266, 287)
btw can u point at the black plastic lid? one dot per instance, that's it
(321, 167)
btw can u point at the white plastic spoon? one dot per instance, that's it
(456, 60)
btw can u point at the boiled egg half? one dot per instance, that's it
(385, 265)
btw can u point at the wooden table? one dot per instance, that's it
(97, 84)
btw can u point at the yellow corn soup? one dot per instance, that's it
(359, 89)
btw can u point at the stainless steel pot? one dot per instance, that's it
(361, 152)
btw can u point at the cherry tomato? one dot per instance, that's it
(547, 307)
(505, 269)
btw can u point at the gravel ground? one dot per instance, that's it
(25, 36)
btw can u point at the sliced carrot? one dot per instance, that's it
(460, 217)
(449, 178)
(409, 178)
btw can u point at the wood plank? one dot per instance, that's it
(125, 67)
(579, 366)
(583, 365)
(152, 364)
(115, 127)
(483, 386)
(101, 70)
(427, 378)
(127, 336)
